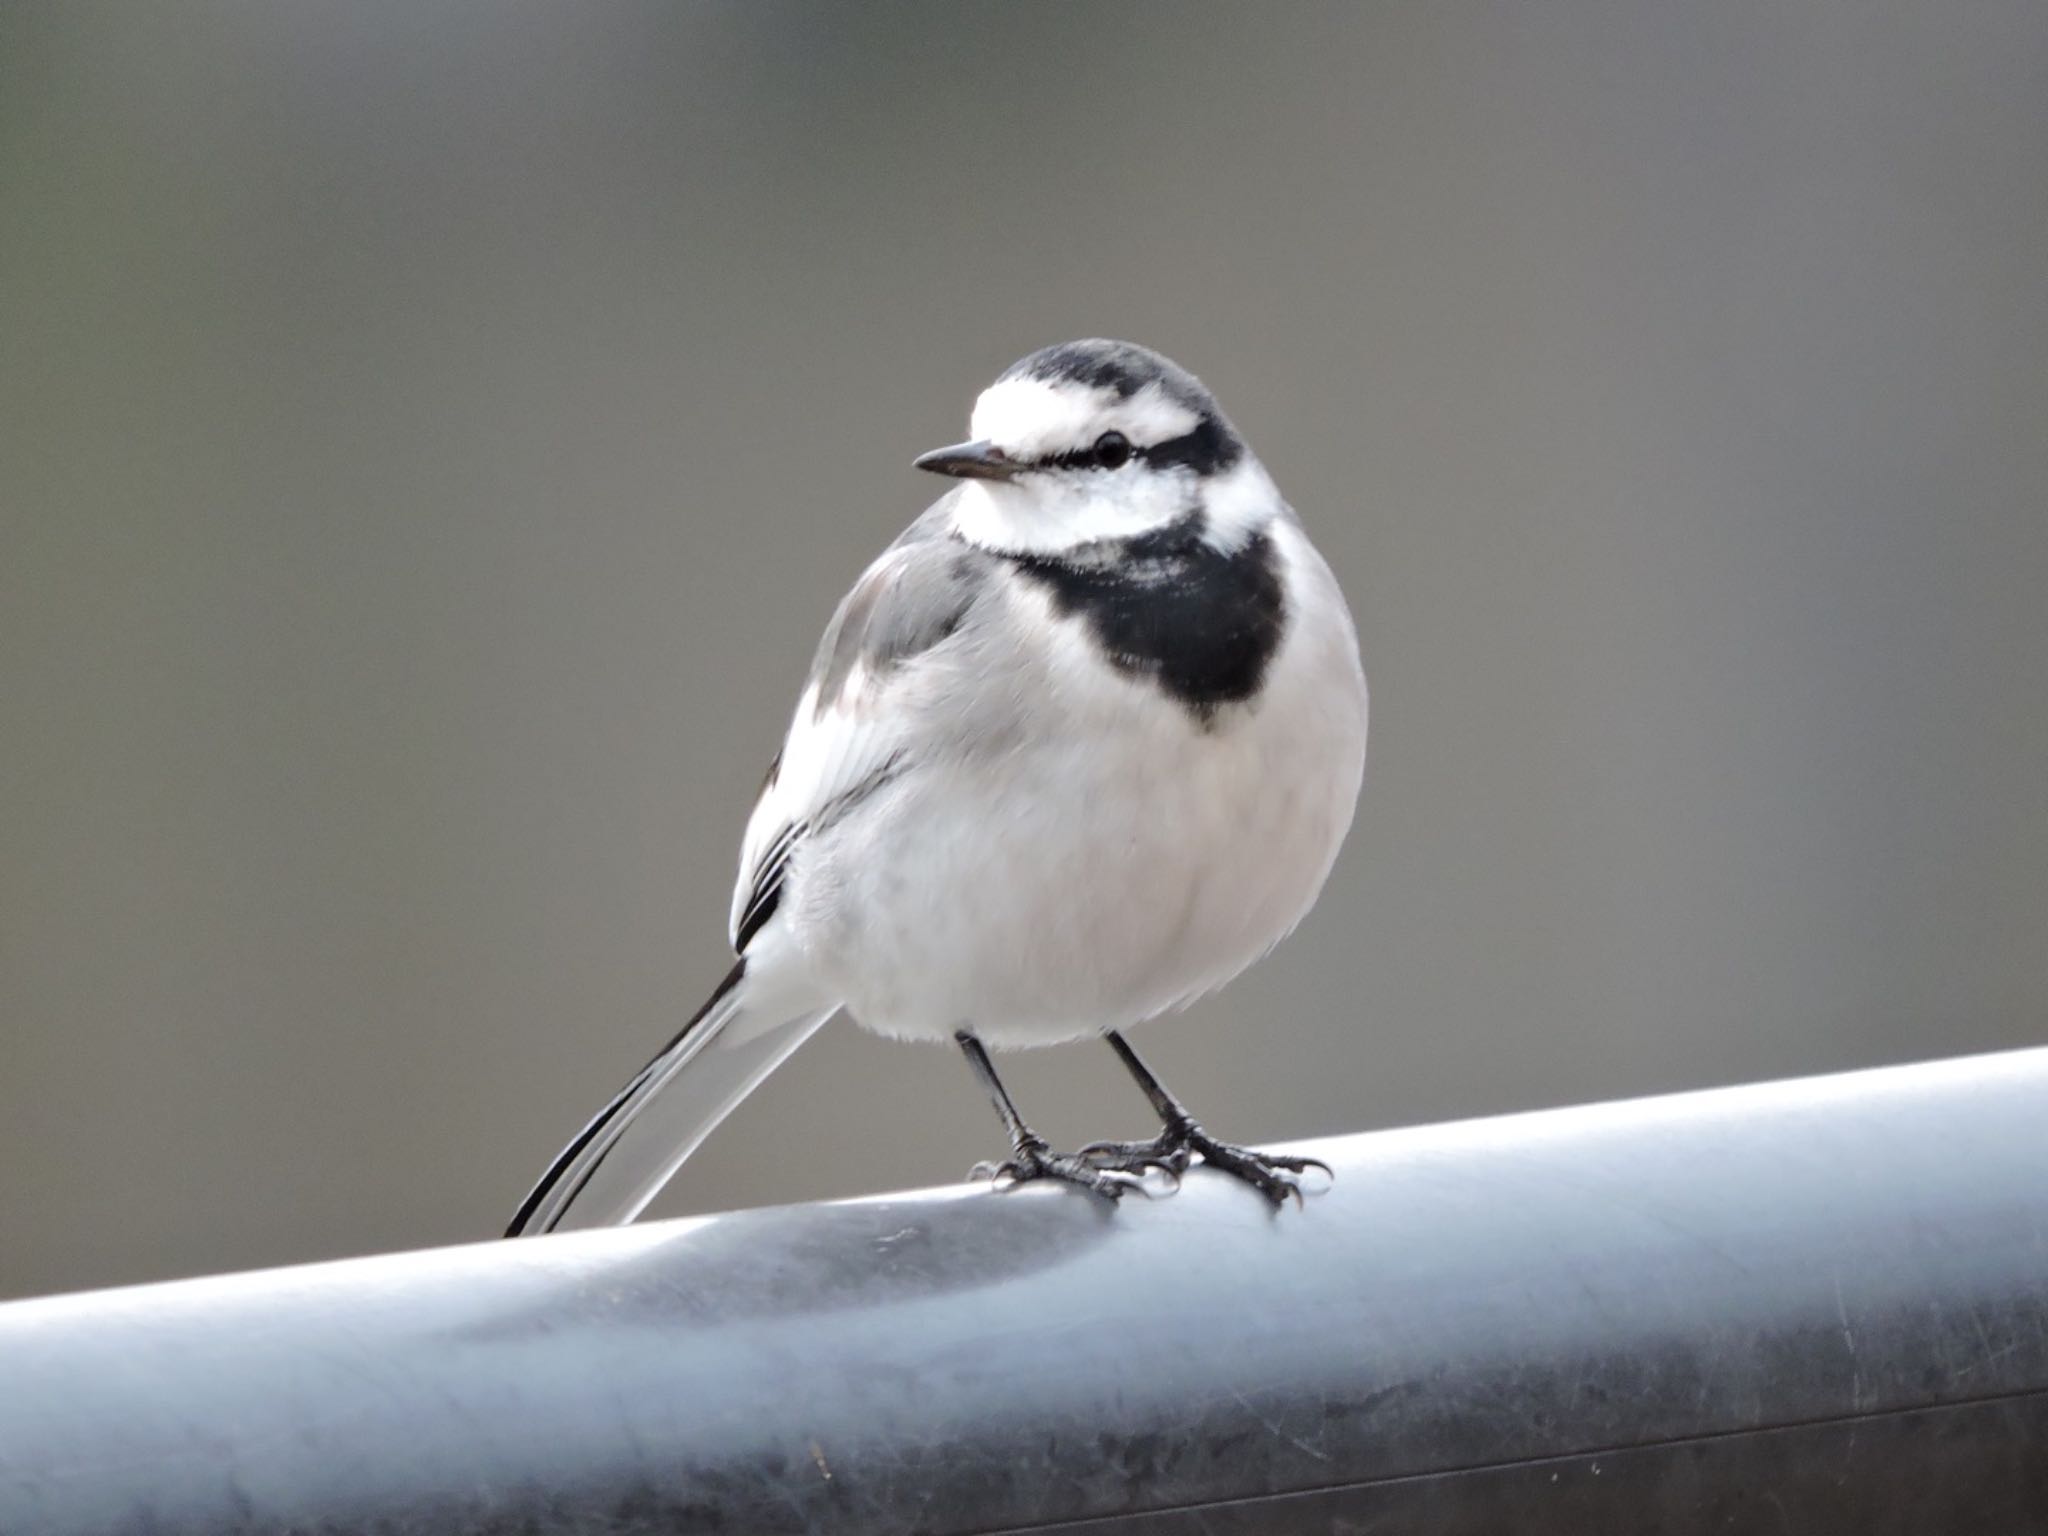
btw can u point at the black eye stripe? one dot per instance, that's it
(1208, 449)
(1073, 458)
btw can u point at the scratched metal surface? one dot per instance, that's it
(1737, 1300)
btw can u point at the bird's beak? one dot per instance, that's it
(969, 461)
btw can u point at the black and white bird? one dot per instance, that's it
(1076, 750)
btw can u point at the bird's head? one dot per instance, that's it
(1095, 440)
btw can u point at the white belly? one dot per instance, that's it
(1105, 859)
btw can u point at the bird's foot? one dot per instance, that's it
(1164, 1153)
(1034, 1159)
(1275, 1175)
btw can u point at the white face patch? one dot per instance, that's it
(1032, 418)
(1040, 514)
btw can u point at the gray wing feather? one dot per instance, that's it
(917, 595)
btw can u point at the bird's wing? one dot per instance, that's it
(851, 733)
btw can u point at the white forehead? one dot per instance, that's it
(1030, 417)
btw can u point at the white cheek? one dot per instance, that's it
(1043, 513)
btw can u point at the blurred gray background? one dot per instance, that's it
(432, 436)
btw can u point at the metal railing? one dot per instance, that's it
(1813, 1306)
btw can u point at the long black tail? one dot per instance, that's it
(619, 1161)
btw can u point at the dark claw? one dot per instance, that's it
(1138, 1158)
(1303, 1164)
(1159, 1152)
(1034, 1160)
(1272, 1174)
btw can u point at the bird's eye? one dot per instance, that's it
(1112, 450)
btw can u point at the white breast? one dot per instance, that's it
(1079, 853)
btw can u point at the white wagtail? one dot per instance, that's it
(1077, 749)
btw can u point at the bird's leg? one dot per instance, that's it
(1273, 1174)
(1030, 1156)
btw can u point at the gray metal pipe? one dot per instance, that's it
(1815, 1306)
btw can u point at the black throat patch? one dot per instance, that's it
(1166, 605)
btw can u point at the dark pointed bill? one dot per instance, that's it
(969, 461)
